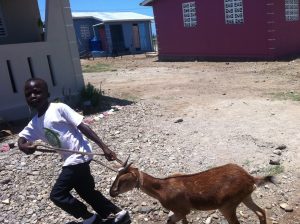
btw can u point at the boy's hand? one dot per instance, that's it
(109, 155)
(90, 134)
(26, 147)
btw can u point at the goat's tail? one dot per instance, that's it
(262, 180)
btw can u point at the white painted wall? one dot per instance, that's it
(60, 45)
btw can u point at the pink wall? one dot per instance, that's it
(287, 33)
(213, 38)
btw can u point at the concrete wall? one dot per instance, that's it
(20, 20)
(265, 34)
(56, 60)
(211, 36)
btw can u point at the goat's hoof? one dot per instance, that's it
(169, 221)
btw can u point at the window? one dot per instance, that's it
(2, 27)
(234, 11)
(291, 10)
(85, 32)
(189, 14)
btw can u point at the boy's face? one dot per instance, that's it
(36, 94)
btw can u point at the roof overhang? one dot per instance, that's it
(109, 17)
(87, 17)
(126, 20)
(146, 2)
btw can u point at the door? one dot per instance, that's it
(136, 37)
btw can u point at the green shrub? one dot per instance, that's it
(294, 96)
(91, 94)
(274, 170)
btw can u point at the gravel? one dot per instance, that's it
(157, 145)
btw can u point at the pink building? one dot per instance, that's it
(226, 29)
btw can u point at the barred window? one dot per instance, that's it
(291, 10)
(234, 11)
(2, 25)
(85, 32)
(189, 14)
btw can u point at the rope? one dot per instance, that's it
(50, 149)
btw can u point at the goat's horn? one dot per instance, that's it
(125, 168)
(125, 163)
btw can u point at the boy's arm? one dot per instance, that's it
(26, 146)
(90, 134)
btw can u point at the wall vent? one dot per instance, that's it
(2, 26)
(11, 76)
(29, 60)
(234, 11)
(49, 60)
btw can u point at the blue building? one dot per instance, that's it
(112, 33)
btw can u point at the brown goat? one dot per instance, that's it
(222, 188)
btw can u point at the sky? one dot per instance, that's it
(104, 6)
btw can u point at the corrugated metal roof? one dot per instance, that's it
(146, 2)
(112, 16)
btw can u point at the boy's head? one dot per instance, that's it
(36, 93)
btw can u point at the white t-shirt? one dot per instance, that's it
(58, 127)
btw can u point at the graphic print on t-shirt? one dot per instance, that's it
(52, 137)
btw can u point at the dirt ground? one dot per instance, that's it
(232, 111)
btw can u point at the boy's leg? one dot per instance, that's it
(85, 187)
(60, 194)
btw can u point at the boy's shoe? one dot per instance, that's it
(122, 217)
(95, 219)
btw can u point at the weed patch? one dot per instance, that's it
(274, 170)
(294, 96)
(91, 95)
(97, 67)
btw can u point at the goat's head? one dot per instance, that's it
(126, 180)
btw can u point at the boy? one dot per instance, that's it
(60, 126)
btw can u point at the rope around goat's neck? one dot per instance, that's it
(51, 149)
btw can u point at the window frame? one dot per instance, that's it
(85, 32)
(234, 12)
(291, 10)
(189, 14)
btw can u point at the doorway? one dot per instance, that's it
(117, 38)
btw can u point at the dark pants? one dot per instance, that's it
(79, 177)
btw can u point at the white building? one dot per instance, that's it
(27, 52)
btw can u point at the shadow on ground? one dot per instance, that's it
(106, 103)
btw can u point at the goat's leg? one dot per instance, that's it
(184, 220)
(230, 214)
(256, 209)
